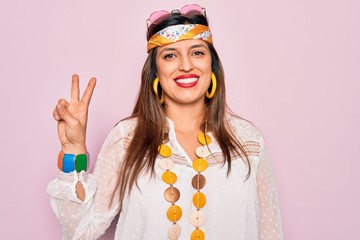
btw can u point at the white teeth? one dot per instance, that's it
(187, 80)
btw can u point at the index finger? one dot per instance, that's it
(89, 91)
(75, 92)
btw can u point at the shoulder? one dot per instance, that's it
(124, 129)
(126, 126)
(117, 140)
(248, 134)
(243, 129)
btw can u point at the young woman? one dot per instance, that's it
(181, 166)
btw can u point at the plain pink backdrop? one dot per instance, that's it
(292, 68)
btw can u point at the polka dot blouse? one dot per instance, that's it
(236, 208)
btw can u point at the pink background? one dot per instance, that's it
(292, 68)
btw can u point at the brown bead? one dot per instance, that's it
(198, 181)
(172, 194)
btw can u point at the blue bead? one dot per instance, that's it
(68, 165)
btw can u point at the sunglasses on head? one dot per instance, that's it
(187, 11)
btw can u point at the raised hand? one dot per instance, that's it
(72, 117)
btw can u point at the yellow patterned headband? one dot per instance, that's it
(179, 32)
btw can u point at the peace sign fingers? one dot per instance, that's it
(75, 90)
(72, 116)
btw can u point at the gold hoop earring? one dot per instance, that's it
(155, 86)
(213, 88)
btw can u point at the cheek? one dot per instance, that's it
(205, 65)
(165, 69)
(206, 70)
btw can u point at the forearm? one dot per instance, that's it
(79, 219)
(80, 191)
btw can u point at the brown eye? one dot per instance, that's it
(170, 55)
(198, 53)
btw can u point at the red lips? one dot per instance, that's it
(187, 80)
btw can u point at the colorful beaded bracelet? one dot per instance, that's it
(69, 162)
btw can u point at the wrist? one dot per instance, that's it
(74, 149)
(68, 162)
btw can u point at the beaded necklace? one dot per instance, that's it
(172, 194)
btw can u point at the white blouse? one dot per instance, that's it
(236, 209)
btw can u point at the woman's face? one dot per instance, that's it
(184, 70)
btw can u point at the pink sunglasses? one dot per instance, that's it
(187, 11)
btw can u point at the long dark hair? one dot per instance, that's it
(149, 131)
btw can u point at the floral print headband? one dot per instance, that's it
(179, 32)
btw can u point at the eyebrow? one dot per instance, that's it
(174, 49)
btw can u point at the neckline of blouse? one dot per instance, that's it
(173, 139)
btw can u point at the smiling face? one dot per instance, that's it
(184, 71)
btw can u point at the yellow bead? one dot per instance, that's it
(197, 234)
(199, 200)
(169, 177)
(174, 213)
(164, 150)
(204, 139)
(200, 164)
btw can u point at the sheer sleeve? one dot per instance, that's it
(90, 219)
(270, 222)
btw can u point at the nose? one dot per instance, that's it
(185, 64)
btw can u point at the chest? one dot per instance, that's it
(188, 142)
